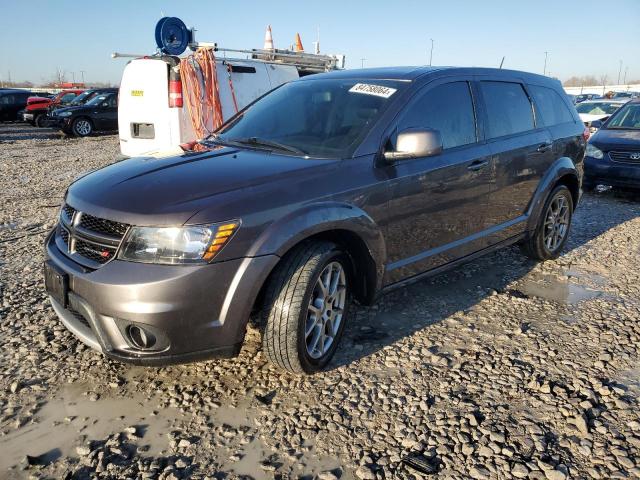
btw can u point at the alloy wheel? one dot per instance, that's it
(83, 127)
(325, 310)
(556, 223)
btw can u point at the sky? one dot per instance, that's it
(582, 37)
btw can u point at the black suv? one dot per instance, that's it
(12, 100)
(98, 113)
(334, 187)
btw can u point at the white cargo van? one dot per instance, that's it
(152, 116)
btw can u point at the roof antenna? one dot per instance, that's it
(502, 62)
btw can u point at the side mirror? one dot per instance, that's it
(415, 143)
(596, 124)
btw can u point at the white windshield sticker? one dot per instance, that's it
(377, 90)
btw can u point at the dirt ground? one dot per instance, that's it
(502, 368)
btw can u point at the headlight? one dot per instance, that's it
(64, 114)
(593, 151)
(175, 245)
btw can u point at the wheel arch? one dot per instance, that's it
(348, 227)
(563, 171)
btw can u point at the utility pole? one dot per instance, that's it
(73, 76)
(603, 79)
(431, 54)
(546, 55)
(626, 70)
(82, 73)
(619, 73)
(362, 62)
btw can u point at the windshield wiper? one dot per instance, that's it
(269, 143)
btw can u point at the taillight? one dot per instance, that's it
(175, 94)
(586, 133)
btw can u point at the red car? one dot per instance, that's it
(37, 107)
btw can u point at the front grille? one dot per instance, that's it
(64, 235)
(67, 212)
(101, 225)
(96, 254)
(625, 157)
(89, 240)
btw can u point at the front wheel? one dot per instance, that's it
(306, 307)
(82, 127)
(550, 236)
(39, 120)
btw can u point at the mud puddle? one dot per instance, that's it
(71, 419)
(555, 289)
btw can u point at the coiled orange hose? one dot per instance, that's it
(201, 91)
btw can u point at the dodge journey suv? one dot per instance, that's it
(329, 189)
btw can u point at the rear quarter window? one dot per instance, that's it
(508, 108)
(551, 107)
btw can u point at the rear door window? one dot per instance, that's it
(551, 107)
(508, 108)
(447, 108)
(7, 100)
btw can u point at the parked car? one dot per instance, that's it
(84, 97)
(586, 96)
(81, 99)
(335, 186)
(613, 154)
(627, 95)
(11, 102)
(600, 110)
(36, 111)
(98, 114)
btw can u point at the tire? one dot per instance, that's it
(292, 334)
(539, 246)
(38, 121)
(82, 127)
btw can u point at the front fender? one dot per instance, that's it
(560, 168)
(312, 219)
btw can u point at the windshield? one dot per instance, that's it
(80, 99)
(322, 118)
(627, 117)
(97, 100)
(599, 108)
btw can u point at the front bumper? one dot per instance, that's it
(607, 172)
(194, 312)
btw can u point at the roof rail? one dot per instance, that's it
(308, 62)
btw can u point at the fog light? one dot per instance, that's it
(140, 337)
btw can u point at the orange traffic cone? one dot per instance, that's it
(268, 39)
(299, 47)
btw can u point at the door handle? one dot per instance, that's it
(545, 147)
(477, 165)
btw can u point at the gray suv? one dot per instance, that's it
(332, 188)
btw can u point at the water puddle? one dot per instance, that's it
(554, 289)
(63, 422)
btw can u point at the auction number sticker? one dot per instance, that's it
(137, 93)
(369, 89)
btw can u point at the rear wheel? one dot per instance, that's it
(306, 307)
(549, 237)
(82, 127)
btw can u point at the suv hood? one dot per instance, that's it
(613, 139)
(64, 108)
(169, 191)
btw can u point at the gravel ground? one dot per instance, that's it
(500, 369)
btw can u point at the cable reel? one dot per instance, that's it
(172, 35)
